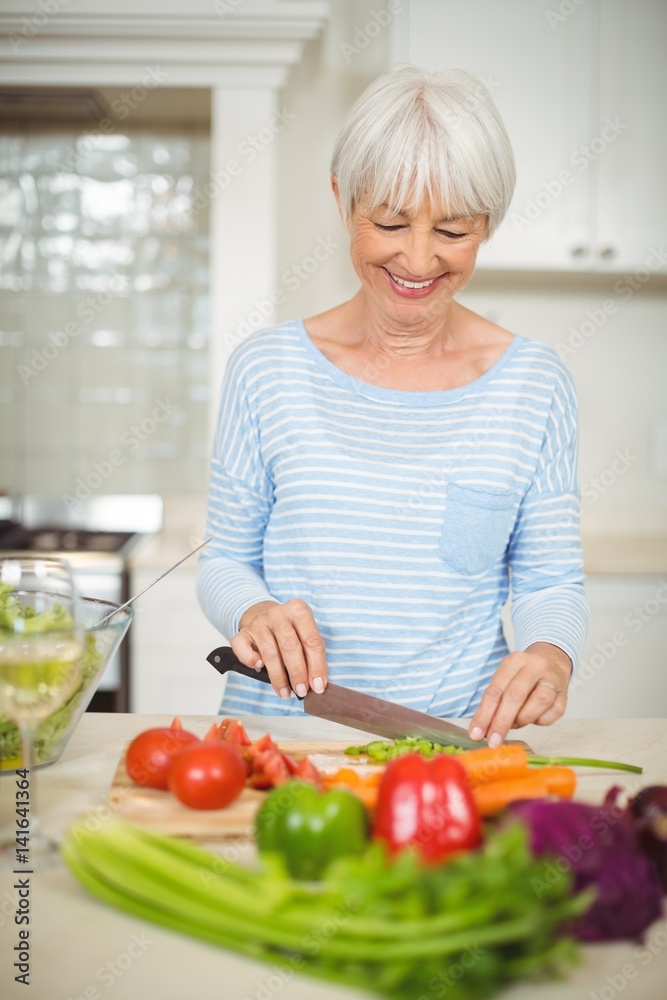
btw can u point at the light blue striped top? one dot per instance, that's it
(400, 517)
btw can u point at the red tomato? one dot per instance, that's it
(307, 771)
(150, 754)
(207, 776)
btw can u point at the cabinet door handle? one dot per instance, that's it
(608, 252)
(579, 251)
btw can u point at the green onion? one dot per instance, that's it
(381, 750)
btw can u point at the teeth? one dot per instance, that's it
(411, 284)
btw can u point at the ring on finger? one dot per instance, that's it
(550, 685)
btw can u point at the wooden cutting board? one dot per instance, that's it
(162, 812)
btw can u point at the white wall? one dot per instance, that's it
(319, 93)
(620, 370)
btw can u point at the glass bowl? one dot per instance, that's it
(102, 641)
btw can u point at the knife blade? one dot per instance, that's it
(358, 710)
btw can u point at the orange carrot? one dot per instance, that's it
(345, 776)
(494, 764)
(364, 786)
(492, 796)
(561, 781)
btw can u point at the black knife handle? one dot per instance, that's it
(224, 658)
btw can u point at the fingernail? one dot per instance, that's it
(301, 690)
(259, 664)
(495, 739)
(285, 693)
(318, 685)
(476, 733)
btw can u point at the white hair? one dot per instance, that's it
(414, 134)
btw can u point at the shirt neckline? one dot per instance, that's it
(430, 397)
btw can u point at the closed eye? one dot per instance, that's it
(452, 236)
(387, 229)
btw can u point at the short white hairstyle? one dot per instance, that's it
(414, 134)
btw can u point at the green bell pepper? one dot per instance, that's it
(309, 828)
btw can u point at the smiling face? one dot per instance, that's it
(411, 263)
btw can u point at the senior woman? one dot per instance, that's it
(384, 471)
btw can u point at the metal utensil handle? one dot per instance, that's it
(224, 659)
(151, 584)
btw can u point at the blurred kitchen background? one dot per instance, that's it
(164, 191)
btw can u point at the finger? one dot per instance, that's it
(539, 701)
(246, 650)
(479, 724)
(292, 654)
(313, 646)
(515, 696)
(555, 712)
(269, 651)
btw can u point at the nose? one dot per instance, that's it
(419, 256)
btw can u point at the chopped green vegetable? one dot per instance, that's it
(397, 929)
(382, 750)
(52, 729)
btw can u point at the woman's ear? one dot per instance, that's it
(336, 191)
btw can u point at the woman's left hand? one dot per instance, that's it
(530, 686)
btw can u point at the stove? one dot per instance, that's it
(63, 540)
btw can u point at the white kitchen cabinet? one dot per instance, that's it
(171, 638)
(581, 89)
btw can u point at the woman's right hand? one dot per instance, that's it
(285, 639)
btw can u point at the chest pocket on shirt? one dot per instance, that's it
(476, 527)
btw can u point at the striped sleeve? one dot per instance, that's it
(230, 575)
(546, 564)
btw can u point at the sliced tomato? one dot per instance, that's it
(260, 781)
(271, 764)
(228, 731)
(290, 763)
(235, 734)
(307, 771)
(265, 743)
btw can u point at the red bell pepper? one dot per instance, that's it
(427, 805)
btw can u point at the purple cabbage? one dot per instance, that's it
(649, 811)
(600, 846)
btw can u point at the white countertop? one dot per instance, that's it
(82, 948)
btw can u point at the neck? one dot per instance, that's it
(385, 335)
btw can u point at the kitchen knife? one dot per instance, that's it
(360, 711)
